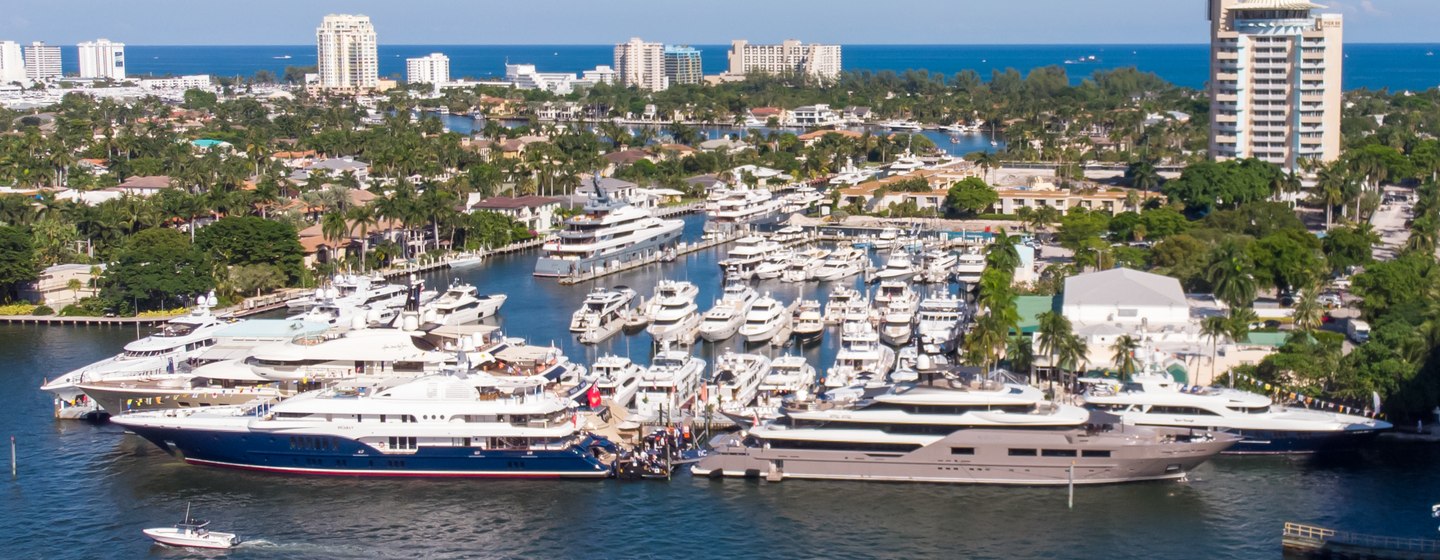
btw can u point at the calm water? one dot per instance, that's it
(1374, 66)
(85, 491)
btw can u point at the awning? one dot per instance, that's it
(221, 352)
(233, 370)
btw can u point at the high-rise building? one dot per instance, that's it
(42, 62)
(1274, 81)
(682, 65)
(790, 57)
(102, 59)
(433, 68)
(12, 63)
(641, 64)
(345, 48)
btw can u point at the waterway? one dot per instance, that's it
(85, 491)
(953, 144)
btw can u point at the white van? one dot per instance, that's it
(1358, 330)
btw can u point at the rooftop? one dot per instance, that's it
(1133, 288)
(512, 202)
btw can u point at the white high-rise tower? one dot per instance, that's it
(12, 63)
(1274, 81)
(345, 50)
(102, 59)
(42, 62)
(641, 64)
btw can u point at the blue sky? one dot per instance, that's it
(488, 22)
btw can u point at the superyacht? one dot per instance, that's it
(723, 321)
(956, 430)
(609, 232)
(674, 318)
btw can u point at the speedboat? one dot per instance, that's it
(765, 320)
(192, 533)
(723, 321)
(673, 314)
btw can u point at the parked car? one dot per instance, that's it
(1330, 300)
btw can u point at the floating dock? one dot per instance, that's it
(1309, 540)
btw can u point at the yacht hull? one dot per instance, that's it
(654, 246)
(1131, 458)
(338, 456)
(1284, 443)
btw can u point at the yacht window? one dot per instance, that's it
(962, 450)
(1095, 453)
(1058, 453)
(1023, 452)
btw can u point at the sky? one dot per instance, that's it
(701, 22)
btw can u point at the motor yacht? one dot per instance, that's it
(888, 238)
(766, 319)
(457, 423)
(608, 233)
(861, 359)
(969, 266)
(950, 429)
(460, 304)
(843, 263)
(617, 378)
(897, 324)
(667, 387)
(736, 206)
(896, 294)
(941, 317)
(898, 267)
(602, 314)
(673, 315)
(746, 256)
(161, 352)
(775, 265)
(841, 299)
(736, 380)
(1155, 399)
(804, 264)
(724, 319)
(809, 321)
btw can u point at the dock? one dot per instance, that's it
(659, 255)
(1309, 540)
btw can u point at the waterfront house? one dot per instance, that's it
(63, 284)
(810, 138)
(815, 115)
(1039, 193)
(536, 212)
(143, 186)
(333, 168)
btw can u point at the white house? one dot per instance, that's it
(815, 115)
(536, 212)
(1125, 300)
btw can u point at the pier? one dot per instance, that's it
(680, 250)
(1310, 540)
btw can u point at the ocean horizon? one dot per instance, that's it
(1394, 66)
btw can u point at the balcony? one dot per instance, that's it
(1227, 76)
(1227, 98)
(1226, 139)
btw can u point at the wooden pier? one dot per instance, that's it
(1309, 540)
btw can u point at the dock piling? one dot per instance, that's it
(13, 470)
(1072, 485)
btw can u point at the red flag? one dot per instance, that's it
(593, 396)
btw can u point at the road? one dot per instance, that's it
(1389, 223)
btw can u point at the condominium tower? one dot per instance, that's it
(102, 59)
(1274, 81)
(433, 69)
(682, 65)
(12, 63)
(345, 47)
(790, 57)
(42, 62)
(641, 65)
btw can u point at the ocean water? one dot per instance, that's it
(1373, 66)
(85, 491)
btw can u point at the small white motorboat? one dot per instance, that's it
(192, 533)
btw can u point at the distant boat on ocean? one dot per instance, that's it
(281, 57)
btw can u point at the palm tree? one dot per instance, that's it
(1214, 328)
(363, 218)
(1020, 354)
(985, 341)
(1002, 254)
(1231, 275)
(334, 229)
(1124, 355)
(1331, 186)
(1051, 335)
(1308, 310)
